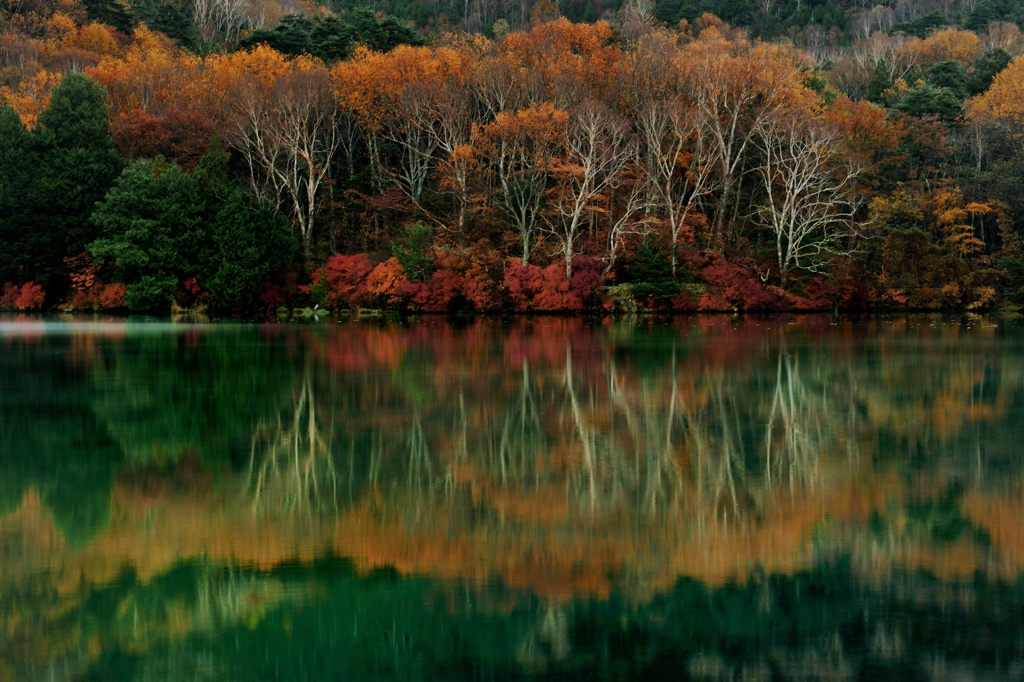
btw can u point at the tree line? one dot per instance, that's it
(615, 166)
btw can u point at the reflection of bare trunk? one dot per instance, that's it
(794, 434)
(515, 443)
(548, 638)
(229, 597)
(586, 437)
(419, 466)
(291, 467)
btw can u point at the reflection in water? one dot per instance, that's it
(707, 498)
(291, 467)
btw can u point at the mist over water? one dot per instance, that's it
(707, 498)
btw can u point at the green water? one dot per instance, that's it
(704, 498)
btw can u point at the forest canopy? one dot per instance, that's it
(482, 158)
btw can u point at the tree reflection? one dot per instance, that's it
(549, 458)
(291, 466)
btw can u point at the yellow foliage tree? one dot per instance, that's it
(1003, 102)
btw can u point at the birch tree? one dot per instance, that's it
(287, 135)
(680, 158)
(598, 147)
(519, 150)
(736, 86)
(808, 205)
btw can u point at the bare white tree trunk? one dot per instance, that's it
(807, 195)
(288, 136)
(597, 149)
(680, 160)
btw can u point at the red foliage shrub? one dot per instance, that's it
(480, 288)
(387, 286)
(113, 296)
(737, 285)
(344, 280)
(9, 296)
(554, 292)
(818, 294)
(925, 298)
(30, 297)
(894, 298)
(440, 293)
(271, 297)
(192, 296)
(521, 282)
(712, 303)
(536, 289)
(479, 292)
(586, 278)
(851, 293)
(684, 302)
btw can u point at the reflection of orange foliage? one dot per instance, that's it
(1002, 516)
(544, 544)
(30, 535)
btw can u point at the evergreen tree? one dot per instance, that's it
(932, 104)
(979, 18)
(151, 223)
(170, 18)
(162, 227)
(77, 163)
(950, 75)
(921, 26)
(111, 13)
(245, 242)
(331, 38)
(880, 82)
(18, 167)
(985, 69)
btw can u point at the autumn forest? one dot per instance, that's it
(251, 157)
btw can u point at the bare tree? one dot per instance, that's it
(679, 157)
(232, 17)
(597, 148)
(448, 121)
(205, 16)
(1004, 35)
(766, 7)
(632, 221)
(496, 83)
(287, 135)
(418, 146)
(519, 150)
(736, 88)
(807, 206)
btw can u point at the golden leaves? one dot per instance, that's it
(31, 96)
(1003, 102)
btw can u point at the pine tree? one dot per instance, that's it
(18, 167)
(78, 163)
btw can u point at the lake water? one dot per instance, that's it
(707, 498)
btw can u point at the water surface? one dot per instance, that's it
(706, 498)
